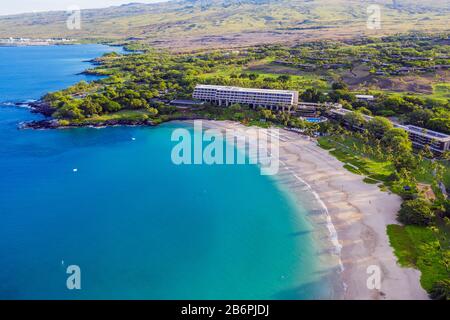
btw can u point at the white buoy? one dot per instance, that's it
(75, 170)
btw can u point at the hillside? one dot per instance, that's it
(213, 23)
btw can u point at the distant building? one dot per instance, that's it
(420, 137)
(226, 96)
(186, 103)
(365, 97)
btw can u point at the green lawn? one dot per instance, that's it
(441, 91)
(374, 168)
(420, 247)
(121, 115)
(344, 152)
(295, 82)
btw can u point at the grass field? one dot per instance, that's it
(121, 115)
(296, 82)
(376, 170)
(355, 162)
(441, 91)
(422, 248)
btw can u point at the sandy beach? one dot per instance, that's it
(358, 214)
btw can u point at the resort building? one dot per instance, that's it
(365, 97)
(311, 109)
(420, 137)
(226, 96)
(186, 103)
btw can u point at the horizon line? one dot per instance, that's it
(82, 8)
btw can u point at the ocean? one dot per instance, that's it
(111, 202)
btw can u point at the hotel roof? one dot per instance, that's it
(227, 88)
(438, 136)
(364, 96)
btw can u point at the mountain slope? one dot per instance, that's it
(199, 23)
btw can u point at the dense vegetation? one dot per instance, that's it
(386, 159)
(143, 83)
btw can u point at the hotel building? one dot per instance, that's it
(420, 137)
(226, 96)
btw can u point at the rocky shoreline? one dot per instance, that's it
(38, 106)
(41, 107)
(55, 124)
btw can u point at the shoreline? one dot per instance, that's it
(358, 215)
(355, 214)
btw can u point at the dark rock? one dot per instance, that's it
(41, 107)
(55, 124)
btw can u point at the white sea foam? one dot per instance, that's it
(16, 104)
(330, 226)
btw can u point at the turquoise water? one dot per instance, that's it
(138, 226)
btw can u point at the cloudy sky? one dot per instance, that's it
(20, 6)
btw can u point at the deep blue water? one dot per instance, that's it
(29, 72)
(138, 226)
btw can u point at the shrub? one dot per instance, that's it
(64, 123)
(416, 212)
(441, 290)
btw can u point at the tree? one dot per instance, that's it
(378, 126)
(267, 114)
(446, 208)
(339, 95)
(111, 106)
(283, 118)
(152, 111)
(365, 111)
(68, 112)
(441, 290)
(138, 104)
(405, 161)
(284, 78)
(419, 117)
(398, 141)
(297, 123)
(311, 128)
(355, 119)
(236, 107)
(312, 95)
(398, 105)
(339, 86)
(416, 212)
(91, 105)
(446, 155)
